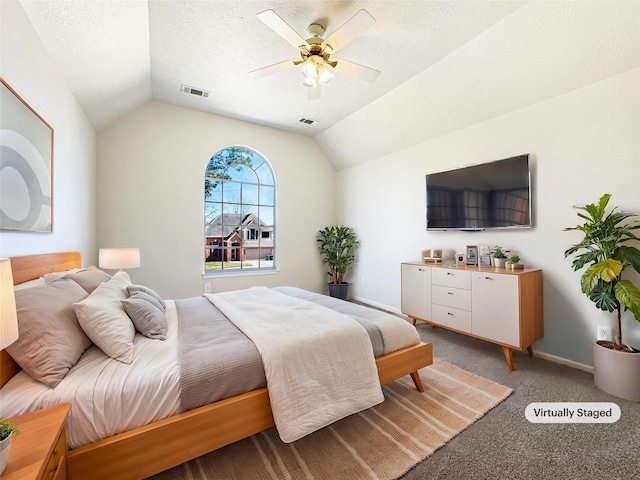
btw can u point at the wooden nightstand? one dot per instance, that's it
(39, 451)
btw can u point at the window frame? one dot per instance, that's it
(261, 249)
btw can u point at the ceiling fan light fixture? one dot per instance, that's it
(310, 82)
(309, 69)
(325, 75)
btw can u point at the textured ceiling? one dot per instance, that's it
(119, 54)
(445, 64)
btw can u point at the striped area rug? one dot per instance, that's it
(383, 442)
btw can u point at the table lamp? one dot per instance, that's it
(119, 258)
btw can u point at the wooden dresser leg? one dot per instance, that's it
(530, 350)
(414, 321)
(415, 376)
(508, 357)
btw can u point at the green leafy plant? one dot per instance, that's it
(606, 249)
(498, 252)
(514, 259)
(336, 244)
(7, 428)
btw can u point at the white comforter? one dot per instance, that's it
(108, 396)
(319, 363)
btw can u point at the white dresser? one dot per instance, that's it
(494, 304)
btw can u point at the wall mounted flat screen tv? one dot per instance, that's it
(489, 195)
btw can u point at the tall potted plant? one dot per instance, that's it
(609, 246)
(336, 245)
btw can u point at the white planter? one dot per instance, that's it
(617, 373)
(4, 452)
(499, 262)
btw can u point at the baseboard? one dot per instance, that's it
(564, 361)
(546, 356)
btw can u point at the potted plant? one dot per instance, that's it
(513, 262)
(607, 248)
(7, 430)
(336, 244)
(499, 257)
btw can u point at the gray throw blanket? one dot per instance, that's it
(217, 360)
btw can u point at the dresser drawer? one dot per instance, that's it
(56, 467)
(451, 318)
(451, 297)
(450, 277)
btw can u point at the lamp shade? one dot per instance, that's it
(119, 258)
(8, 314)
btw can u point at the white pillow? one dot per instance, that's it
(102, 317)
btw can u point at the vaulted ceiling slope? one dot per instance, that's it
(445, 64)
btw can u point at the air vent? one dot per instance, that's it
(307, 121)
(195, 91)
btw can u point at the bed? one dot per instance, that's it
(162, 444)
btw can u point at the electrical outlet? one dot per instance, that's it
(363, 281)
(207, 288)
(604, 333)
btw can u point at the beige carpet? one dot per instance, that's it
(383, 442)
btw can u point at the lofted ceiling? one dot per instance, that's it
(117, 55)
(444, 64)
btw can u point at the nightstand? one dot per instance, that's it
(39, 451)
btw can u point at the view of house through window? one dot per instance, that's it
(239, 205)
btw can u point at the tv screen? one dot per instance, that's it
(489, 195)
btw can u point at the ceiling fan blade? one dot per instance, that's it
(278, 25)
(354, 27)
(271, 69)
(313, 93)
(356, 70)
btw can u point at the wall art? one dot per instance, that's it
(26, 165)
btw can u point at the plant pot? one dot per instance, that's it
(339, 290)
(514, 266)
(4, 452)
(499, 262)
(617, 373)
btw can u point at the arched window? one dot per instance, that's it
(240, 217)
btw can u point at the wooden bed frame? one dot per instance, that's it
(161, 445)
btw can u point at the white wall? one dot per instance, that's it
(27, 67)
(583, 144)
(151, 195)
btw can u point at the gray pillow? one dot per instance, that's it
(148, 319)
(50, 340)
(90, 278)
(145, 296)
(141, 288)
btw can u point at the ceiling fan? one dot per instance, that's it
(315, 52)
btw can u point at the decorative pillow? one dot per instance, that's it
(51, 340)
(102, 317)
(147, 290)
(50, 277)
(148, 298)
(148, 319)
(90, 278)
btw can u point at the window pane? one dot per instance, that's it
(241, 173)
(266, 215)
(265, 174)
(267, 195)
(231, 192)
(249, 194)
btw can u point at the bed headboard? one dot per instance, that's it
(30, 267)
